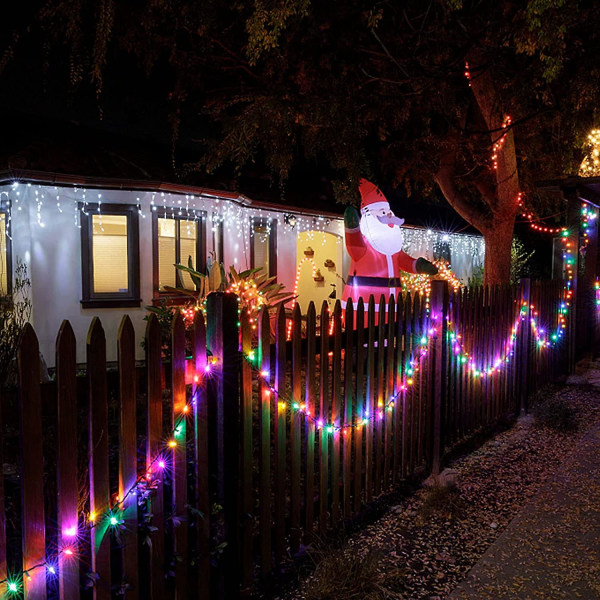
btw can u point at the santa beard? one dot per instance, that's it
(385, 239)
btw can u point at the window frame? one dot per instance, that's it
(128, 299)
(200, 219)
(272, 242)
(5, 210)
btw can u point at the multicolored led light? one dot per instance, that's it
(111, 515)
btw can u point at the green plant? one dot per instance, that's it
(15, 312)
(254, 289)
(476, 277)
(519, 260)
(164, 315)
(556, 414)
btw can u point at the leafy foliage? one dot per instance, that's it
(519, 260)
(253, 288)
(15, 312)
(349, 90)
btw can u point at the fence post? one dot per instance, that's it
(222, 333)
(438, 316)
(572, 257)
(525, 342)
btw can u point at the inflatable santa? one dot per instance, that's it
(374, 243)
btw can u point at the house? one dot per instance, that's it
(107, 247)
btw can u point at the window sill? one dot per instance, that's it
(112, 303)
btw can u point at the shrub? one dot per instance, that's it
(15, 312)
(556, 414)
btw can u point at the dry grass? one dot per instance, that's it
(347, 576)
(440, 502)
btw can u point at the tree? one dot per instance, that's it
(477, 99)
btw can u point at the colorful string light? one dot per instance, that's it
(147, 480)
(321, 423)
(112, 515)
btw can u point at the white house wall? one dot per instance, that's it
(49, 242)
(45, 232)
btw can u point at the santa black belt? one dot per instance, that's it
(384, 282)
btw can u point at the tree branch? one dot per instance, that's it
(445, 178)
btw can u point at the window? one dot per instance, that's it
(263, 245)
(5, 253)
(175, 239)
(110, 263)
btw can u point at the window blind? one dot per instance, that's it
(109, 254)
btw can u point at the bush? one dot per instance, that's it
(15, 311)
(556, 414)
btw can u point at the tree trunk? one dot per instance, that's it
(498, 242)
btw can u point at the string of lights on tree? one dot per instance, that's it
(71, 537)
(535, 223)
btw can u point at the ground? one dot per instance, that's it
(523, 522)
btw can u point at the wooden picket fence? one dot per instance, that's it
(136, 484)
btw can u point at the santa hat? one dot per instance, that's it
(371, 196)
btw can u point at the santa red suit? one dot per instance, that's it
(374, 245)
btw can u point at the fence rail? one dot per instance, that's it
(162, 487)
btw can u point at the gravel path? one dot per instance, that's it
(424, 547)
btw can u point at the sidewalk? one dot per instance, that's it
(551, 549)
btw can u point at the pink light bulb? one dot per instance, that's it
(70, 531)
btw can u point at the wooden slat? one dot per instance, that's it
(128, 454)
(264, 350)
(407, 396)
(296, 431)
(389, 390)
(32, 460)
(98, 458)
(379, 405)
(178, 454)
(310, 399)
(360, 404)
(370, 401)
(336, 413)
(324, 416)
(398, 409)
(247, 488)
(439, 309)
(3, 566)
(348, 405)
(154, 440)
(66, 460)
(279, 433)
(419, 379)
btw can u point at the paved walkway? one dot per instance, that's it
(551, 549)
